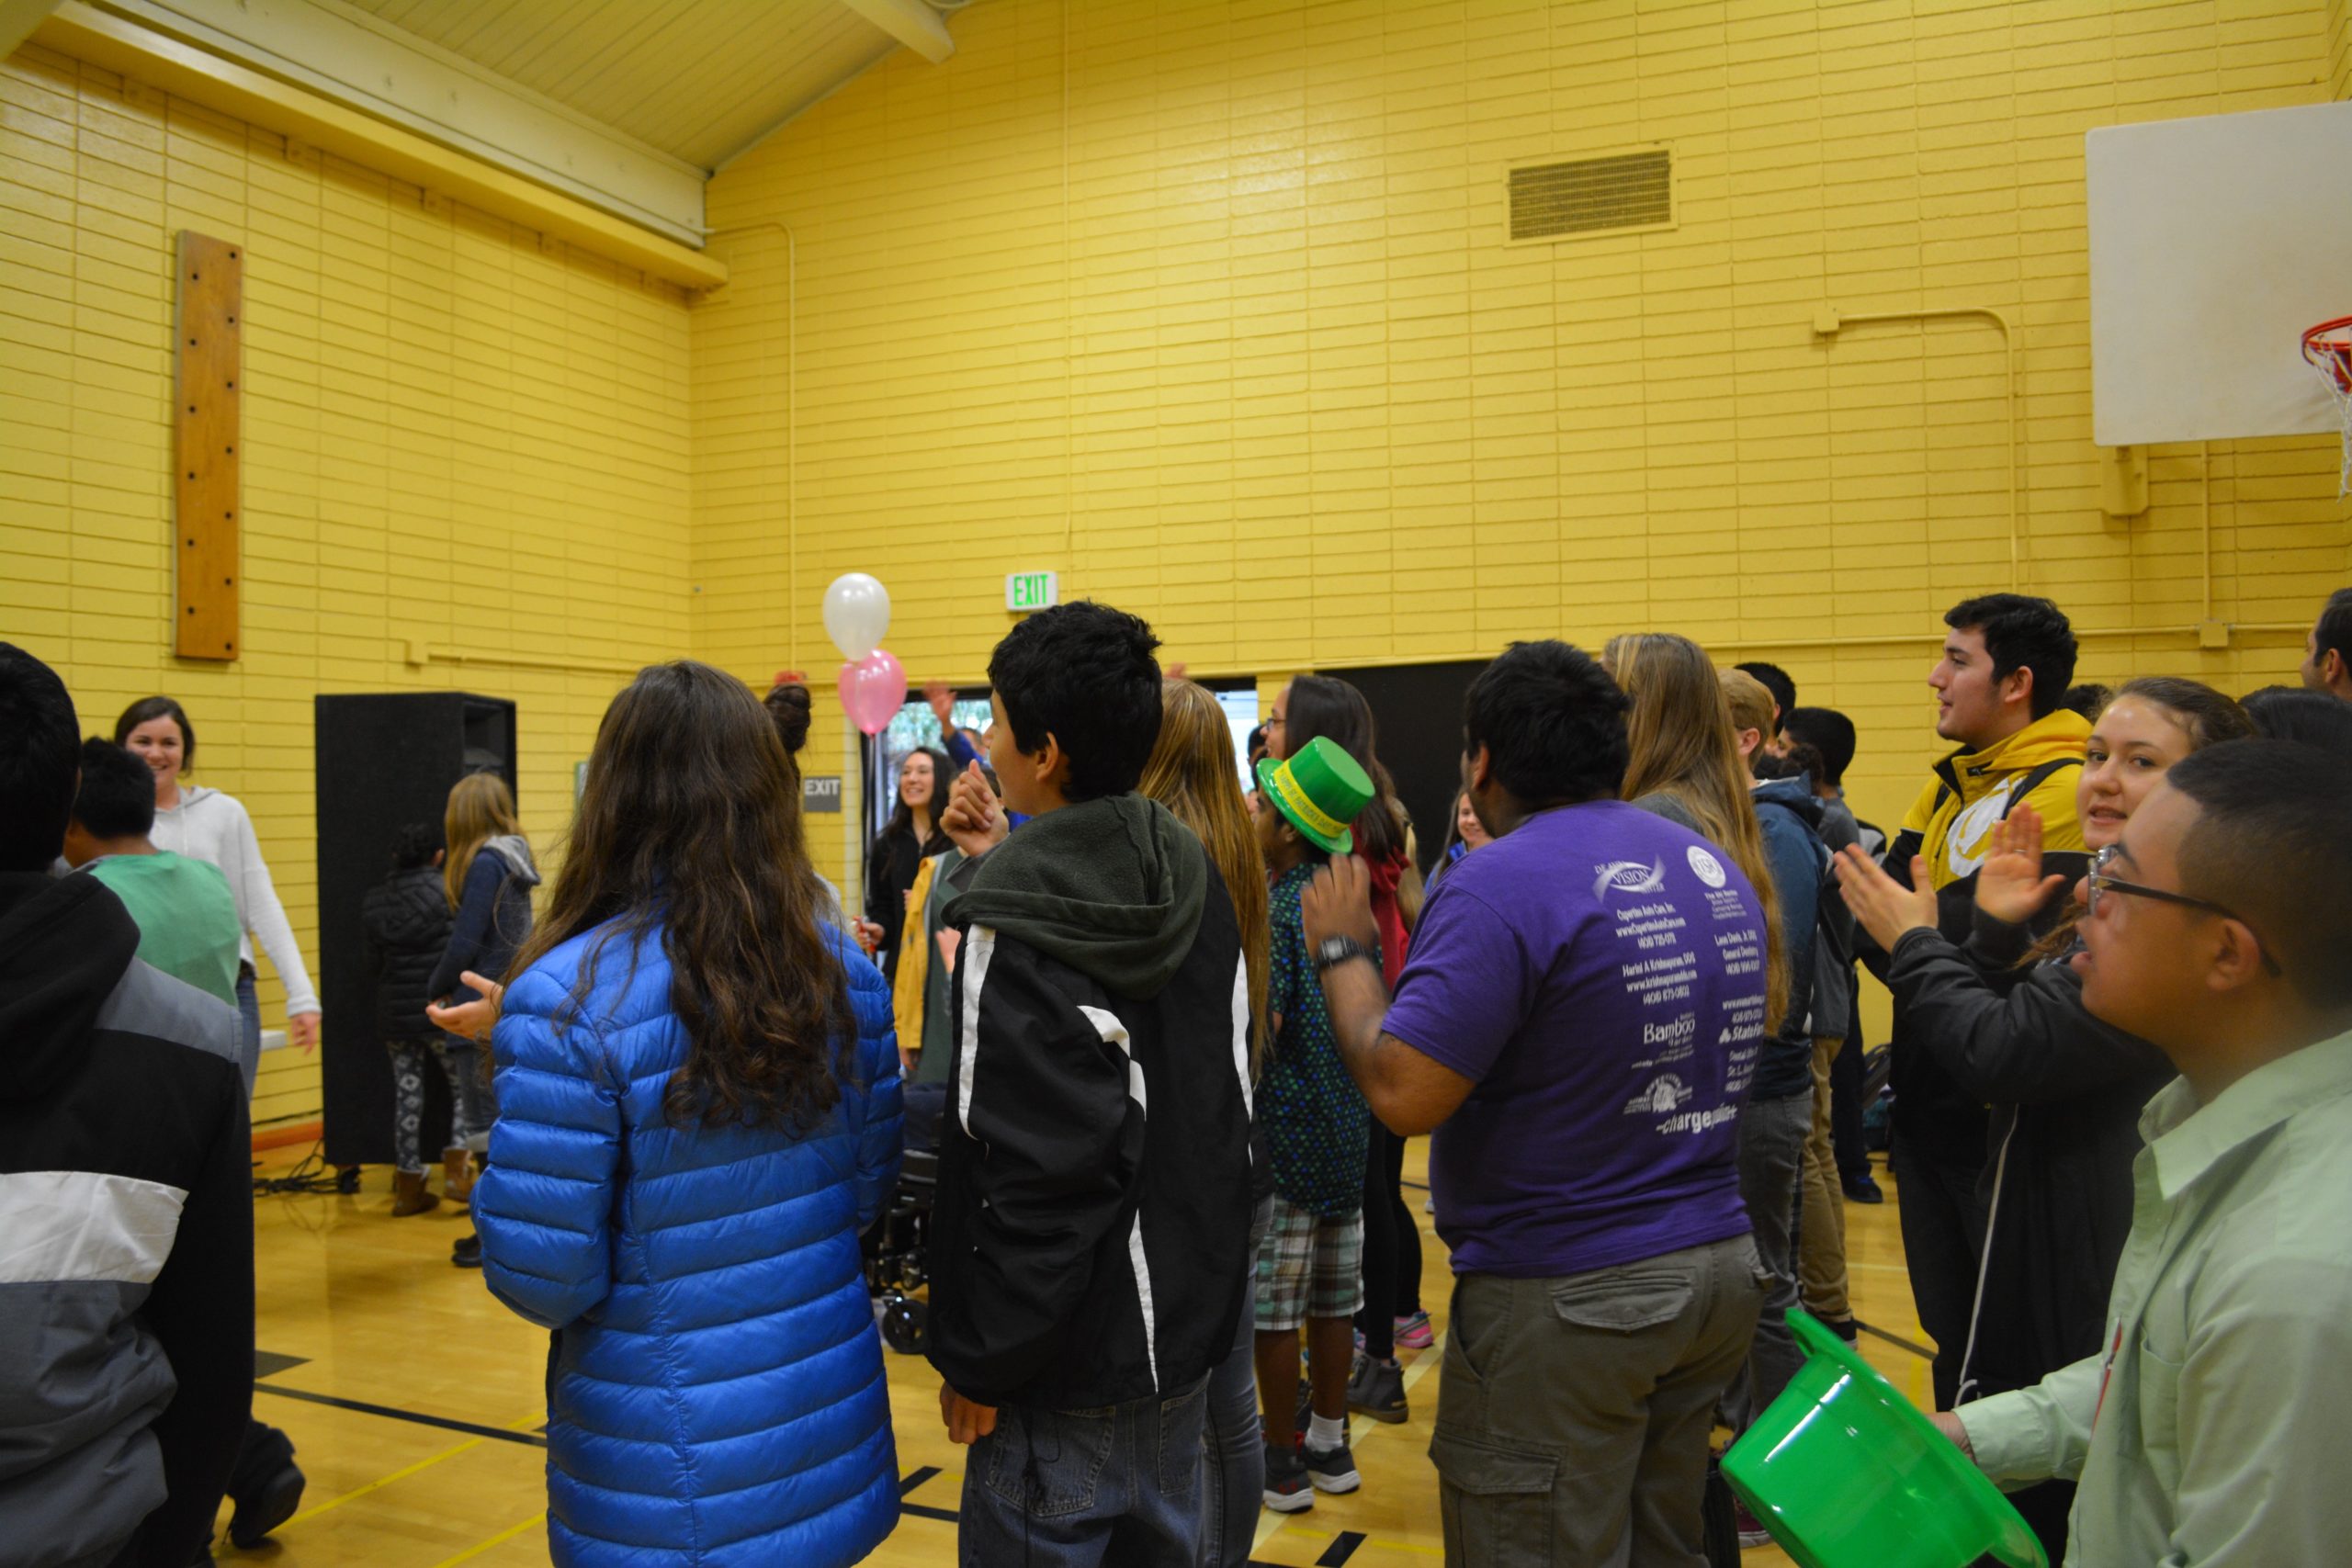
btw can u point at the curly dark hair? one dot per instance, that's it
(690, 826)
(1085, 674)
(1553, 723)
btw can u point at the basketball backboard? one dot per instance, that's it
(2214, 242)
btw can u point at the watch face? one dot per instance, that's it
(1334, 948)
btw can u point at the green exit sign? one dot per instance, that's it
(1032, 591)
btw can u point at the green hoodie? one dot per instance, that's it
(1112, 887)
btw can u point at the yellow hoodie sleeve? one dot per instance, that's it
(914, 961)
(2061, 824)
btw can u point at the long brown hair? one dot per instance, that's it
(1328, 706)
(480, 808)
(1191, 772)
(1679, 734)
(690, 826)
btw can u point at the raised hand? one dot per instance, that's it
(2010, 885)
(941, 698)
(974, 820)
(1884, 906)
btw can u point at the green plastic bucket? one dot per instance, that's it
(1847, 1473)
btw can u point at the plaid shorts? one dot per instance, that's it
(1309, 1265)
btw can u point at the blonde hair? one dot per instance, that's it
(1191, 772)
(1751, 706)
(480, 808)
(1684, 746)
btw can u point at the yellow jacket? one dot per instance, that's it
(915, 959)
(1954, 817)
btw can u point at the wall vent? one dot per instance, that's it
(1592, 196)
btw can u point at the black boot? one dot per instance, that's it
(265, 1484)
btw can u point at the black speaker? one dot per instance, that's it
(383, 760)
(1419, 710)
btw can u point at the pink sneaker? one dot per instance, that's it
(1414, 1333)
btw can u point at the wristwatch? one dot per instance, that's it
(1334, 950)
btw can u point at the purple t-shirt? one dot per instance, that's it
(1599, 973)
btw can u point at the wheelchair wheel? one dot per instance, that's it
(906, 1326)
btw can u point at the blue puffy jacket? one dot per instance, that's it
(715, 1394)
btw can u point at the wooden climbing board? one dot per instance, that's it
(208, 515)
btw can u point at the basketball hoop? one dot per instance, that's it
(2329, 348)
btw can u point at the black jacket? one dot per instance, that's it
(126, 1214)
(1090, 1240)
(2066, 1092)
(890, 870)
(494, 917)
(407, 920)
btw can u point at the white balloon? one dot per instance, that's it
(857, 613)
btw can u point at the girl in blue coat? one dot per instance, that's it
(698, 1111)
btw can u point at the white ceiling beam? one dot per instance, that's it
(911, 22)
(17, 20)
(348, 57)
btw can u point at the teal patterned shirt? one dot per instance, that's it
(1315, 1121)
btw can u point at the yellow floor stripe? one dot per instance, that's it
(500, 1539)
(383, 1481)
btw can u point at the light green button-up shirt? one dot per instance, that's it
(2212, 1429)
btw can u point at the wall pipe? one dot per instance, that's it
(1829, 323)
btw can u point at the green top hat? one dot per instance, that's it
(1319, 788)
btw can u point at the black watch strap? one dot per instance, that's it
(1337, 950)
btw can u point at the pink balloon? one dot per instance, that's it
(873, 690)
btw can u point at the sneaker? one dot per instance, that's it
(1413, 1332)
(1287, 1490)
(1377, 1389)
(268, 1509)
(1863, 1188)
(1332, 1470)
(1751, 1534)
(1846, 1328)
(466, 1252)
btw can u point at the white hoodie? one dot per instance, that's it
(209, 826)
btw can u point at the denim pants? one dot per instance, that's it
(1075, 1488)
(477, 1102)
(1573, 1411)
(1772, 1159)
(249, 1020)
(1233, 1469)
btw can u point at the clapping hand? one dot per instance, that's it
(974, 821)
(2010, 885)
(1884, 906)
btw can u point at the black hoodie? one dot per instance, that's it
(1091, 1241)
(127, 1317)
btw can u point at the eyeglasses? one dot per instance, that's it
(2098, 882)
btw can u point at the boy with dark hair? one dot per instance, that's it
(1090, 1239)
(1776, 681)
(1577, 1020)
(2007, 663)
(2207, 1430)
(1310, 1267)
(2328, 652)
(187, 915)
(127, 1309)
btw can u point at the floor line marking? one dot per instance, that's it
(915, 1478)
(378, 1485)
(500, 1539)
(1343, 1546)
(392, 1412)
(1921, 1350)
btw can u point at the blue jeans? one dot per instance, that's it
(1233, 1471)
(1771, 1158)
(477, 1102)
(249, 1015)
(1077, 1488)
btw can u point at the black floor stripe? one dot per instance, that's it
(1343, 1546)
(531, 1439)
(919, 1511)
(1919, 1350)
(915, 1478)
(1415, 1186)
(269, 1363)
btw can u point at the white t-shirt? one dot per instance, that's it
(209, 826)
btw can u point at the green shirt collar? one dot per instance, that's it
(2187, 1139)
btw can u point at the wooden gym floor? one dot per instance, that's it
(415, 1401)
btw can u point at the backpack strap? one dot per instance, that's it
(2035, 780)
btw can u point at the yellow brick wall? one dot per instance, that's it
(1207, 307)
(450, 435)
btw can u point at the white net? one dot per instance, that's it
(2330, 352)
